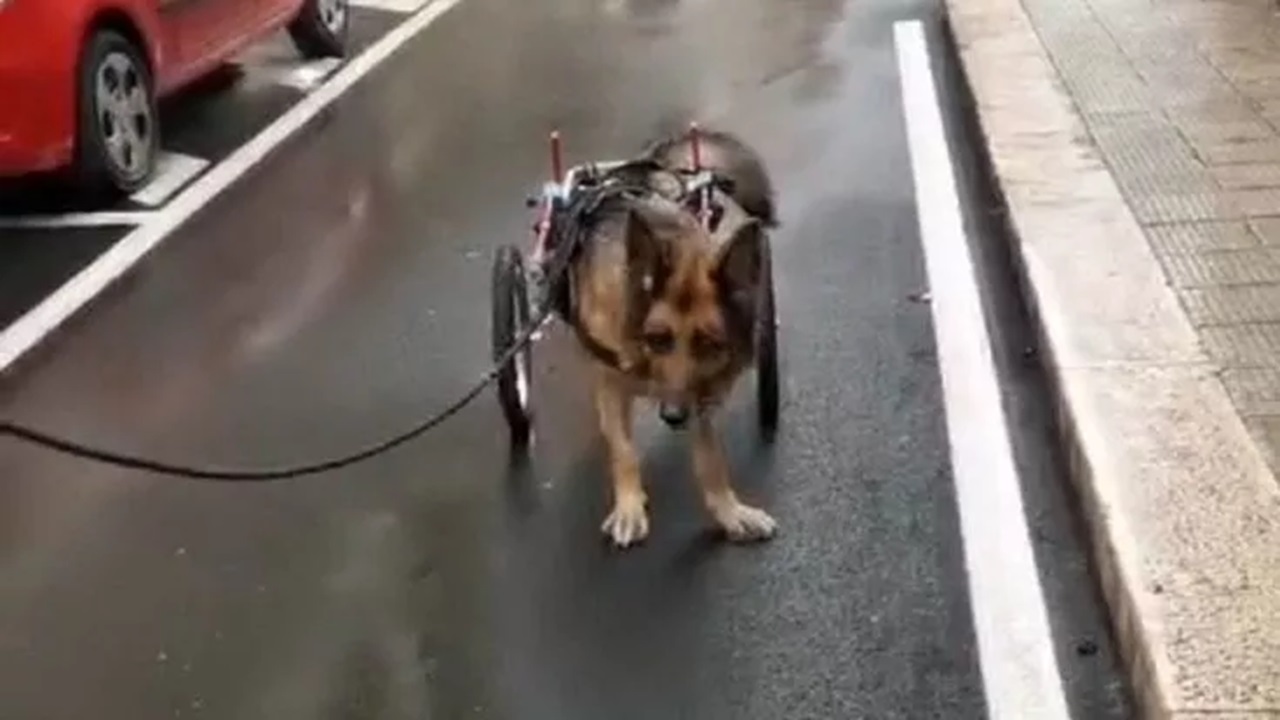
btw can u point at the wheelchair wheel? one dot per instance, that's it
(510, 300)
(767, 350)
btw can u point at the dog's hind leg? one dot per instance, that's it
(628, 523)
(741, 522)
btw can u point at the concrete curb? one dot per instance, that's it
(1183, 512)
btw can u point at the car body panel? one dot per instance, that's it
(41, 42)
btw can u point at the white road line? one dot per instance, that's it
(34, 326)
(173, 170)
(1015, 644)
(302, 76)
(403, 6)
(106, 218)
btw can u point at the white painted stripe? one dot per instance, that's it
(402, 6)
(1015, 644)
(106, 218)
(33, 327)
(173, 170)
(303, 76)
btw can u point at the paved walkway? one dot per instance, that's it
(1137, 145)
(1183, 99)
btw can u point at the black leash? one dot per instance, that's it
(133, 462)
(20, 432)
(571, 233)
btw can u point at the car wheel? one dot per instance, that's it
(117, 128)
(320, 29)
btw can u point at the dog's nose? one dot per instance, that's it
(674, 415)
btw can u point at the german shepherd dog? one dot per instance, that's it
(667, 307)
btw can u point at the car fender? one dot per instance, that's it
(141, 15)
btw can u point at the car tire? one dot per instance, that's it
(117, 119)
(320, 29)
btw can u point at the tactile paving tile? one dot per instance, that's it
(1247, 176)
(1254, 266)
(1192, 237)
(1252, 202)
(1267, 229)
(1095, 70)
(1056, 15)
(1254, 63)
(1233, 305)
(1255, 391)
(1270, 112)
(1255, 70)
(1221, 14)
(1265, 431)
(1182, 98)
(1260, 89)
(1174, 207)
(1148, 157)
(1225, 142)
(1181, 80)
(1239, 109)
(1243, 345)
(1105, 87)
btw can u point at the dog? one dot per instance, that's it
(668, 310)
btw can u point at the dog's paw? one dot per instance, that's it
(743, 523)
(627, 524)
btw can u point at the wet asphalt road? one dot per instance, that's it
(341, 291)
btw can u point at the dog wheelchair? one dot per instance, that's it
(529, 290)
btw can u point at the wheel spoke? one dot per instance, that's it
(135, 101)
(332, 14)
(124, 113)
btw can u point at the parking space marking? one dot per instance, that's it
(1020, 673)
(400, 6)
(306, 76)
(105, 218)
(24, 334)
(173, 171)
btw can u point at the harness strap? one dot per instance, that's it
(575, 225)
(593, 346)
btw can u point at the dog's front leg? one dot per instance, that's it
(741, 522)
(629, 522)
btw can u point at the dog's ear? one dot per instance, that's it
(741, 259)
(647, 253)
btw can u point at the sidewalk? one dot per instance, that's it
(1136, 145)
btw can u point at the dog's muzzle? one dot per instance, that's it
(675, 416)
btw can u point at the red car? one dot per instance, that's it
(79, 79)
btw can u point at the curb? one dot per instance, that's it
(1182, 511)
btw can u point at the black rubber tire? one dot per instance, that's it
(767, 349)
(95, 175)
(313, 38)
(510, 302)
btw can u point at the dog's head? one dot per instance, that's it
(693, 308)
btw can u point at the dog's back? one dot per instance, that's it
(729, 156)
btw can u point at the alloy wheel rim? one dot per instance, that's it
(124, 114)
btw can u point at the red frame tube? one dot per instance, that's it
(557, 157)
(542, 228)
(695, 149)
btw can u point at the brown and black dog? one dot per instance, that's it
(675, 307)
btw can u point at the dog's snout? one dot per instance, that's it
(674, 415)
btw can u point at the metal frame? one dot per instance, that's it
(558, 190)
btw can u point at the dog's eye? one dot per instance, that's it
(659, 341)
(706, 345)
